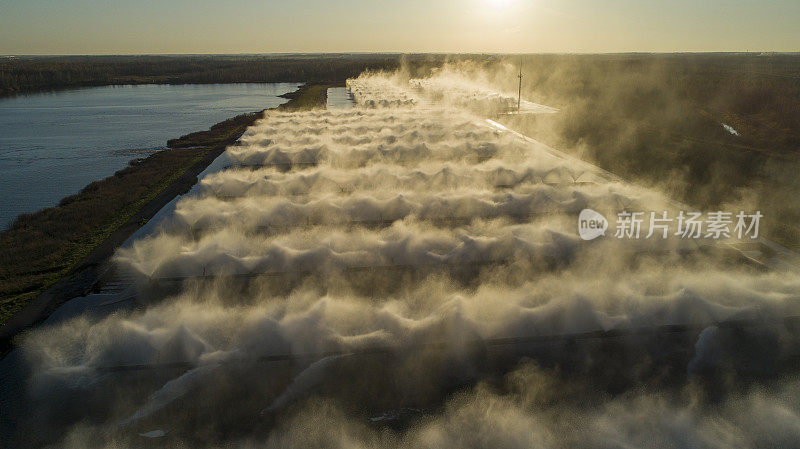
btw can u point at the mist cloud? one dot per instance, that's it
(405, 274)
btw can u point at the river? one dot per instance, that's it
(54, 144)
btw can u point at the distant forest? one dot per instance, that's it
(42, 73)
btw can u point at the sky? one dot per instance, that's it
(451, 26)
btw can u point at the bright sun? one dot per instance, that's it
(499, 4)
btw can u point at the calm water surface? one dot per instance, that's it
(54, 144)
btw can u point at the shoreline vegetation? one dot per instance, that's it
(227, 131)
(55, 254)
(36, 74)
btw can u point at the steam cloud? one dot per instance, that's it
(407, 274)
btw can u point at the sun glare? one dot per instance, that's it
(499, 5)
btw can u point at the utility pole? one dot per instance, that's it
(519, 92)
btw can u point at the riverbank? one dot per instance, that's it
(57, 253)
(30, 74)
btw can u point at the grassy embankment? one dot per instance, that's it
(41, 248)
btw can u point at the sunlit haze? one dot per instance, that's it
(527, 26)
(414, 224)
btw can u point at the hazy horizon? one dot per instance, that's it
(411, 225)
(44, 55)
(91, 27)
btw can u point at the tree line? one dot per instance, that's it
(37, 74)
